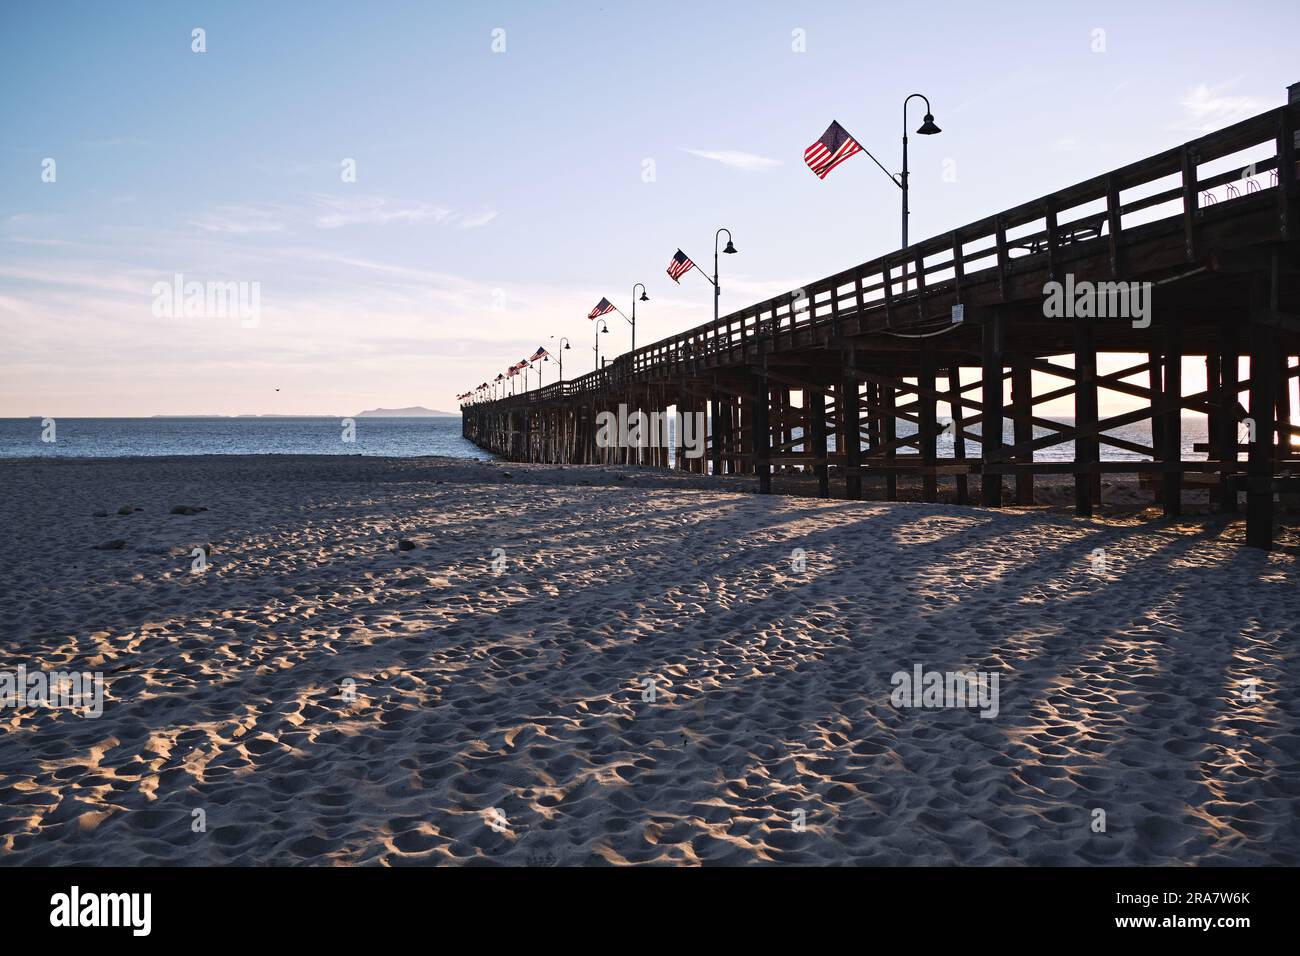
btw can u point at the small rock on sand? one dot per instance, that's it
(117, 544)
(187, 509)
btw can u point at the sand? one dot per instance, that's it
(505, 717)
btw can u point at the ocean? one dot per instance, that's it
(395, 437)
(131, 437)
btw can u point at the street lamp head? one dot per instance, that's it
(730, 249)
(927, 127)
(644, 297)
(605, 329)
(567, 345)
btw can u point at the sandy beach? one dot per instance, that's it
(574, 666)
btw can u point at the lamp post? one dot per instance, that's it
(600, 327)
(564, 344)
(729, 250)
(644, 298)
(927, 128)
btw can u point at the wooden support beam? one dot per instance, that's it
(1225, 436)
(928, 428)
(1263, 402)
(958, 434)
(760, 436)
(1087, 449)
(733, 437)
(1283, 447)
(783, 405)
(889, 426)
(1022, 412)
(849, 440)
(1172, 427)
(873, 416)
(815, 406)
(715, 431)
(1156, 381)
(991, 424)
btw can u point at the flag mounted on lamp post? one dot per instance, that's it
(678, 266)
(540, 354)
(835, 146)
(603, 307)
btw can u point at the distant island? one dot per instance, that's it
(415, 411)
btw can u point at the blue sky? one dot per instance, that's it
(498, 195)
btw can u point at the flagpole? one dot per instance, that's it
(703, 275)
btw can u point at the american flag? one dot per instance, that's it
(603, 307)
(678, 266)
(540, 354)
(498, 378)
(512, 371)
(833, 148)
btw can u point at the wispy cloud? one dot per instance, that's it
(240, 220)
(473, 222)
(749, 162)
(334, 211)
(1206, 108)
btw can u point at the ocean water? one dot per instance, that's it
(127, 437)
(395, 437)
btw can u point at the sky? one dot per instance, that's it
(514, 162)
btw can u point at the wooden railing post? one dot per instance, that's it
(1191, 201)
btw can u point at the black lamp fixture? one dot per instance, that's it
(928, 128)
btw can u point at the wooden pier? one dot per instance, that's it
(959, 320)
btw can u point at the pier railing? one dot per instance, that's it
(977, 263)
